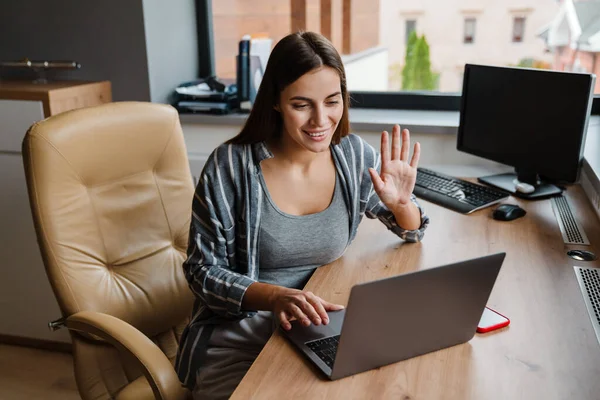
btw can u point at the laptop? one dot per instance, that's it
(401, 317)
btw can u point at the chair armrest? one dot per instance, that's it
(156, 367)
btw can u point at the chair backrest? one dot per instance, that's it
(111, 192)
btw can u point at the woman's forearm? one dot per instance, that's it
(408, 217)
(260, 296)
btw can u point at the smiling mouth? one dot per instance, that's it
(317, 134)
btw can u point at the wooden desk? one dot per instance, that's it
(549, 351)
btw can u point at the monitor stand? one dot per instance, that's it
(508, 182)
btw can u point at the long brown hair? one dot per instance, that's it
(292, 57)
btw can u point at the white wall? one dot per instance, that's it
(171, 45)
(367, 70)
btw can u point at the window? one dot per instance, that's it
(411, 26)
(371, 36)
(518, 29)
(469, 36)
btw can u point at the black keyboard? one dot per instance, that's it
(325, 348)
(455, 194)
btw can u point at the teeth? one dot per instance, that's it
(317, 134)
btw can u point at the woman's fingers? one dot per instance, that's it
(396, 149)
(405, 145)
(284, 321)
(310, 312)
(416, 154)
(299, 314)
(400, 146)
(316, 302)
(378, 184)
(385, 151)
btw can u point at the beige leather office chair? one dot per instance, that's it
(111, 191)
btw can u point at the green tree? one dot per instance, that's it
(409, 60)
(423, 78)
(533, 63)
(417, 74)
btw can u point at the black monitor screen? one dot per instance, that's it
(534, 120)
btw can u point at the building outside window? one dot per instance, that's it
(372, 36)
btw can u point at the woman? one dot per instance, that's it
(275, 202)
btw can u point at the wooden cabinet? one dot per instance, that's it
(27, 302)
(57, 97)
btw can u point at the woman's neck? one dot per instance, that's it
(294, 156)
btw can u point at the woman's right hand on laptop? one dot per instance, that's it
(306, 307)
(288, 304)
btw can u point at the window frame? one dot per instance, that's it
(407, 100)
(522, 19)
(406, 32)
(467, 21)
(205, 38)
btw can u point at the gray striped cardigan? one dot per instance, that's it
(223, 243)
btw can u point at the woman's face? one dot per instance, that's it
(311, 109)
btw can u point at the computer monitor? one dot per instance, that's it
(534, 120)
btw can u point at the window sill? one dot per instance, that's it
(423, 122)
(361, 119)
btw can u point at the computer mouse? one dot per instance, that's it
(508, 212)
(523, 187)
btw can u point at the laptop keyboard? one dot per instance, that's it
(325, 348)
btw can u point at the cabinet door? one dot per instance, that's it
(27, 302)
(16, 116)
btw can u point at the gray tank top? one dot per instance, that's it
(291, 247)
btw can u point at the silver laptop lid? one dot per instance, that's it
(397, 318)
